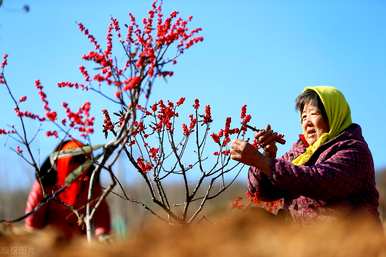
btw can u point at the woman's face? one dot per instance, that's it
(313, 123)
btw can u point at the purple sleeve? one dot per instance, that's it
(259, 183)
(340, 170)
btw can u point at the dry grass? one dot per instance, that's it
(238, 233)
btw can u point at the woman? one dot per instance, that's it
(328, 170)
(57, 213)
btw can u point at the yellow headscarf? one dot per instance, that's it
(339, 118)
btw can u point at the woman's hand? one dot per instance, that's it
(246, 153)
(266, 139)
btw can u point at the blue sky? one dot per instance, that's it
(259, 53)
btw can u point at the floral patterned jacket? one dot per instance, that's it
(340, 174)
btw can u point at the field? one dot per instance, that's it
(236, 233)
(226, 232)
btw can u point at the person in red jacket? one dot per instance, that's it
(57, 213)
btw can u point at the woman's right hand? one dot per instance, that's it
(266, 139)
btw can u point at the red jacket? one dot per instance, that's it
(56, 213)
(60, 217)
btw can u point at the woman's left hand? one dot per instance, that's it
(246, 153)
